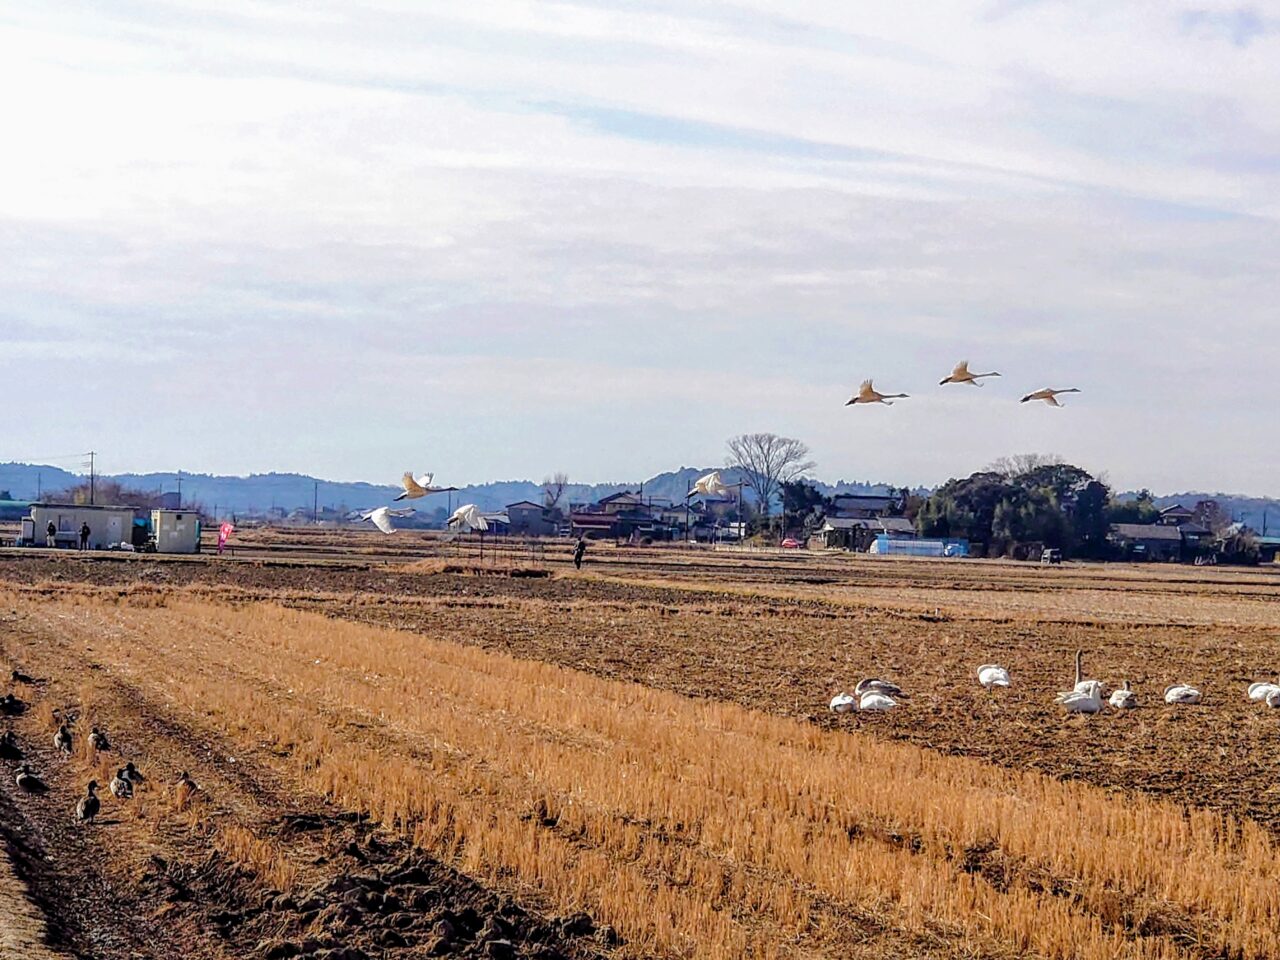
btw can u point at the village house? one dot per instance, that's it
(1146, 541)
(529, 519)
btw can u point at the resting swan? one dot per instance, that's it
(1260, 691)
(874, 700)
(1085, 698)
(876, 685)
(1124, 698)
(1181, 693)
(843, 703)
(990, 675)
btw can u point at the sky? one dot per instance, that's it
(503, 239)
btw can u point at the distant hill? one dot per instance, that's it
(258, 493)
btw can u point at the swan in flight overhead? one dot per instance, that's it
(381, 517)
(467, 517)
(869, 394)
(990, 675)
(1085, 698)
(1048, 395)
(415, 487)
(961, 374)
(843, 703)
(1124, 698)
(709, 486)
(1181, 693)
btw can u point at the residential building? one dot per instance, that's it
(1146, 541)
(1176, 515)
(530, 519)
(863, 506)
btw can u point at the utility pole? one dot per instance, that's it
(92, 477)
(315, 502)
(39, 486)
(179, 489)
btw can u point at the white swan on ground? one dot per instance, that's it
(876, 685)
(873, 700)
(843, 703)
(1085, 698)
(1260, 691)
(1181, 693)
(1124, 698)
(990, 675)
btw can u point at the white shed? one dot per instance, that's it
(176, 531)
(107, 525)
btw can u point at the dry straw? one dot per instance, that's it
(696, 828)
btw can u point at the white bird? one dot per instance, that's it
(961, 374)
(415, 487)
(1086, 698)
(1080, 683)
(1124, 698)
(1273, 698)
(1260, 691)
(876, 685)
(1181, 693)
(1048, 395)
(990, 675)
(843, 703)
(708, 486)
(873, 700)
(467, 517)
(869, 394)
(381, 517)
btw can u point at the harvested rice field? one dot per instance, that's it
(429, 753)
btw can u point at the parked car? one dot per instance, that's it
(791, 543)
(1051, 555)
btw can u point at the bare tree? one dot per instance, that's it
(767, 461)
(553, 488)
(1020, 464)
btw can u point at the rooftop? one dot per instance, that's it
(1146, 531)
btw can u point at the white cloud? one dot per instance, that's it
(609, 235)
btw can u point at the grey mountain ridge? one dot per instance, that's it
(292, 491)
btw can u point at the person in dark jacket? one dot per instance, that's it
(51, 535)
(579, 551)
(84, 536)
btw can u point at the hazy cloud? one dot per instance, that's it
(507, 239)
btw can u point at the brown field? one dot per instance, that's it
(406, 750)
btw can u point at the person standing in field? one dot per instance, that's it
(84, 536)
(579, 551)
(51, 535)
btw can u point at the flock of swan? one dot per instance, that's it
(867, 393)
(1085, 697)
(415, 486)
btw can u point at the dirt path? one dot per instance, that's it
(23, 928)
